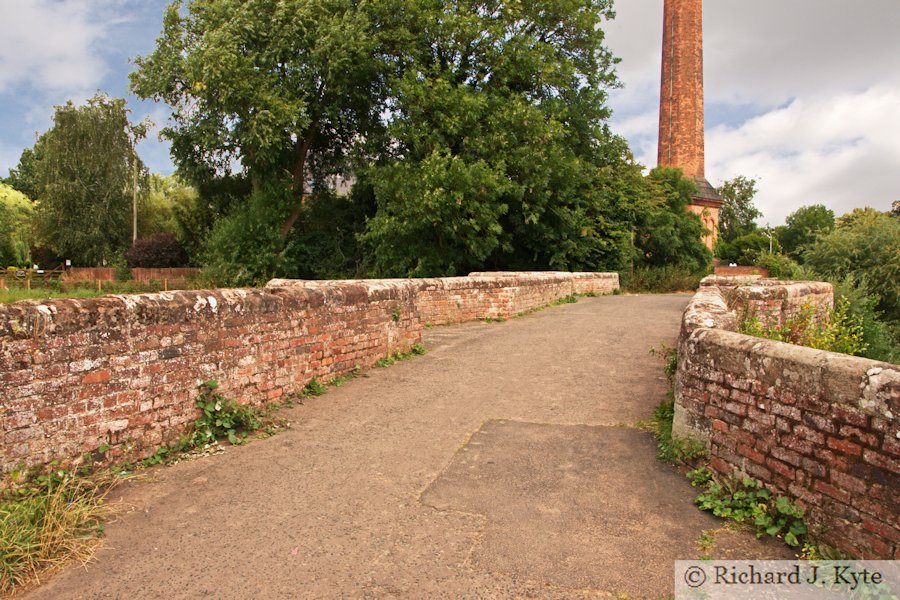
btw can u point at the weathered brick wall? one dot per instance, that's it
(817, 426)
(494, 295)
(124, 370)
(774, 302)
(732, 271)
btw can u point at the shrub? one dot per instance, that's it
(670, 278)
(840, 332)
(881, 338)
(747, 249)
(866, 247)
(780, 266)
(159, 250)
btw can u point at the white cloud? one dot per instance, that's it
(805, 93)
(839, 150)
(51, 44)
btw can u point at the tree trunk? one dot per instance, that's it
(297, 183)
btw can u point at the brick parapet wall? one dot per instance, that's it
(125, 370)
(819, 427)
(727, 271)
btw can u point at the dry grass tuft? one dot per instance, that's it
(52, 520)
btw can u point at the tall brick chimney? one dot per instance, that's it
(681, 106)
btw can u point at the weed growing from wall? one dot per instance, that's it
(839, 332)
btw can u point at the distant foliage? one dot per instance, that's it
(84, 175)
(16, 213)
(738, 214)
(746, 249)
(661, 280)
(780, 266)
(668, 235)
(803, 227)
(866, 248)
(160, 250)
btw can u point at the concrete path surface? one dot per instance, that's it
(504, 463)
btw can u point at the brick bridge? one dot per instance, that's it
(503, 463)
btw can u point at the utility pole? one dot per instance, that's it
(134, 194)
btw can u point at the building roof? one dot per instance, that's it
(706, 194)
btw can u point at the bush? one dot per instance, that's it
(881, 338)
(780, 266)
(865, 247)
(840, 332)
(665, 279)
(160, 250)
(747, 249)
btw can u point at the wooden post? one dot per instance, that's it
(134, 191)
(99, 285)
(165, 285)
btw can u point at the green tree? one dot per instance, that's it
(287, 89)
(738, 214)
(667, 233)
(802, 227)
(16, 212)
(84, 180)
(865, 248)
(747, 249)
(23, 176)
(497, 152)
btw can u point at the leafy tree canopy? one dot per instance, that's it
(866, 248)
(667, 233)
(284, 88)
(803, 226)
(497, 152)
(84, 178)
(16, 211)
(738, 214)
(23, 177)
(747, 249)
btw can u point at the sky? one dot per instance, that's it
(802, 95)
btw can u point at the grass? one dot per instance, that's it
(48, 521)
(11, 295)
(56, 289)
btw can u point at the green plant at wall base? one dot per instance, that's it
(313, 388)
(744, 500)
(673, 449)
(670, 364)
(570, 299)
(222, 418)
(416, 350)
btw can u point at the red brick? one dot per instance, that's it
(844, 446)
(96, 376)
(848, 482)
(832, 491)
(780, 468)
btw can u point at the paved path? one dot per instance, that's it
(498, 465)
